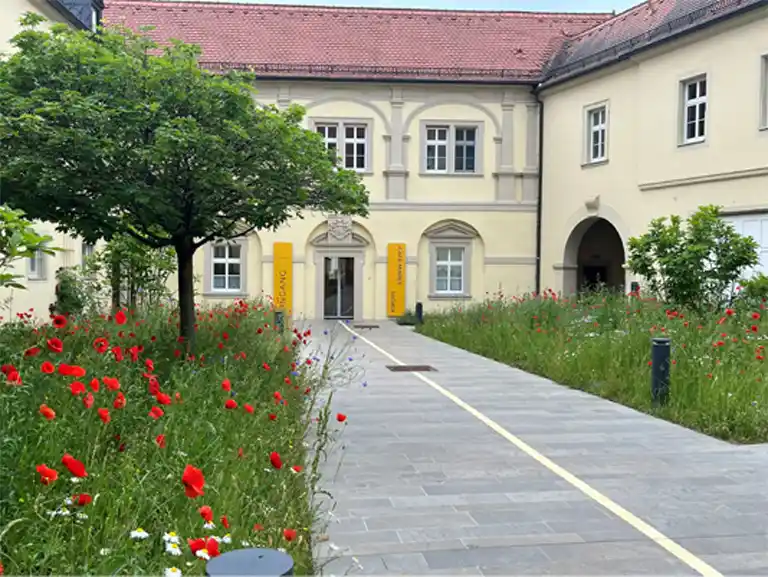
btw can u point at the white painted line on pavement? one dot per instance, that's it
(649, 531)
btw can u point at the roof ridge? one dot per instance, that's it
(350, 9)
(614, 18)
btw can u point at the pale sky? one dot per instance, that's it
(540, 5)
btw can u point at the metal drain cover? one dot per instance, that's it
(365, 326)
(410, 368)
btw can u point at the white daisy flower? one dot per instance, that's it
(209, 525)
(173, 549)
(81, 516)
(226, 539)
(60, 512)
(75, 480)
(68, 501)
(203, 554)
(171, 537)
(172, 572)
(139, 534)
(245, 544)
(104, 552)
(215, 538)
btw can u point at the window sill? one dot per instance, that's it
(452, 174)
(594, 163)
(763, 128)
(691, 142)
(226, 295)
(36, 279)
(361, 172)
(448, 297)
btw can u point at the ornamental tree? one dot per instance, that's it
(107, 133)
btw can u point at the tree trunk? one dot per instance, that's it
(115, 283)
(185, 252)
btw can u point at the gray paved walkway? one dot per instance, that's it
(424, 487)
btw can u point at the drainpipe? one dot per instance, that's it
(540, 198)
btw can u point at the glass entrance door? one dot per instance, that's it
(339, 287)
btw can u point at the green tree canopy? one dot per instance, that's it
(108, 133)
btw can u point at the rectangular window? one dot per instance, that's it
(86, 251)
(449, 273)
(349, 140)
(764, 92)
(227, 267)
(437, 148)
(597, 131)
(464, 149)
(451, 149)
(694, 110)
(36, 266)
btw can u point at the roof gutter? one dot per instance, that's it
(549, 83)
(65, 12)
(540, 199)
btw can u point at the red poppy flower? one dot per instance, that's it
(230, 404)
(88, 400)
(341, 417)
(71, 371)
(224, 521)
(77, 388)
(212, 546)
(59, 321)
(258, 527)
(32, 352)
(226, 385)
(55, 345)
(160, 440)
(101, 345)
(47, 367)
(272, 417)
(47, 475)
(112, 383)
(104, 415)
(120, 318)
(77, 468)
(47, 412)
(150, 365)
(82, 499)
(274, 458)
(196, 545)
(156, 413)
(248, 408)
(193, 482)
(119, 402)
(266, 366)
(206, 513)
(297, 468)
(289, 534)
(163, 399)
(14, 378)
(95, 385)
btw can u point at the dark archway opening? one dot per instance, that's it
(594, 258)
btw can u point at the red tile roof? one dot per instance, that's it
(642, 25)
(335, 42)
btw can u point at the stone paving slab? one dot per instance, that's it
(423, 487)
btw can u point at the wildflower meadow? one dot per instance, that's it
(123, 453)
(601, 343)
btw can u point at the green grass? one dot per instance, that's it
(602, 345)
(134, 482)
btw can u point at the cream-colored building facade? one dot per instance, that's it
(662, 132)
(515, 169)
(467, 218)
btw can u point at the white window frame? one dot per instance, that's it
(451, 265)
(86, 250)
(763, 92)
(226, 260)
(696, 103)
(321, 125)
(451, 146)
(36, 266)
(436, 143)
(596, 130)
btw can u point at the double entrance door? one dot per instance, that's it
(339, 287)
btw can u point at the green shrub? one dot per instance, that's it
(602, 344)
(246, 397)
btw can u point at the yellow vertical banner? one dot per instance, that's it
(283, 279)
(396, 279)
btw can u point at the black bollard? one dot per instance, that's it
(279, 319)
(660, 350)
(246, 562)
(420, 313)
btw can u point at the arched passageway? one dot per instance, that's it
(594, 257)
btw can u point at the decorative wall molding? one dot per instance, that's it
(500, 206)
(509, 260)
(448, 100)
(451, 229)
(705, 178)
(356, 100)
